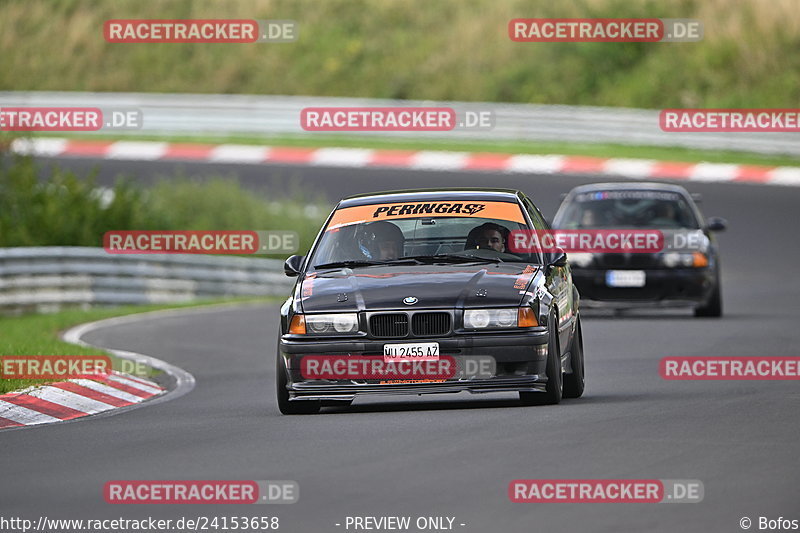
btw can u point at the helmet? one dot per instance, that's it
(377, 239)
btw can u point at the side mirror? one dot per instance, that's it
(293, 265)
(716, 224)
(558, 258)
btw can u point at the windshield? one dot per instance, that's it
(422, 232)
(628, 209)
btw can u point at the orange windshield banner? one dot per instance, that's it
(467, 209)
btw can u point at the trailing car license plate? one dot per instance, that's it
(625, 278)
(420, 351)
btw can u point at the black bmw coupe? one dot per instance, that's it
(416, 292)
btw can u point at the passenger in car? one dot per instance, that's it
(488, 236)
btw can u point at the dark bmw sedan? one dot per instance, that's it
(416, 292)
(686, 272)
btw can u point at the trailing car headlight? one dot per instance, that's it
(330, 324)
(671, 259)
(580, 259)
(499, 318)
(686, 260)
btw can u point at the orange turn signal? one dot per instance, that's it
(699, 260)
(526, 318)
(298, 325)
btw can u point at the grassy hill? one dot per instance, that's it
(418, 49)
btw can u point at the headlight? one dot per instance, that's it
(506, 317)
(686, 260)
(494, 318)
(332, 323)
(672, 259)
(580, 259)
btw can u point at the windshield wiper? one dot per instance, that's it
(418, 259)
(355, 263)
(453, 258)
(350, 264)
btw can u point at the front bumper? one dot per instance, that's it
(520, 358)
(663, 288)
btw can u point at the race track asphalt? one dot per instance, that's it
(455, 455)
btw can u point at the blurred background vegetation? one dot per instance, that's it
(408, 49)
(416, 49)
(55, 207)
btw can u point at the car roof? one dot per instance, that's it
(442, 194)
(630, 186)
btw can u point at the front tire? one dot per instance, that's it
(574, 382)
(299, 407)
(555, 378)
(714, 306)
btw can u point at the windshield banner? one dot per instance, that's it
(467, 209)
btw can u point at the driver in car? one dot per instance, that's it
(381, 241)
(488, 236)
(665, 215)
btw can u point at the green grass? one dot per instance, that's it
(510, 147)
(39, 334)
(415, 49)
(64, 209)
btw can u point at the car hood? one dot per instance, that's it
(433, 286)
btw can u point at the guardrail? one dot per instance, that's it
(45, 279)
(196, 115)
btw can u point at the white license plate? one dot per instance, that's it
(418, 351)
(625, 278)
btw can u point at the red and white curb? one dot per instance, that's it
(643, 169)
(73, 398)
(101, 395)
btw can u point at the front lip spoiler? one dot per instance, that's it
(306, 391)
(465, 342)
(638, 304)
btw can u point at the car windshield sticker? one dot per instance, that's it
(468, 209)
(627, 195)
